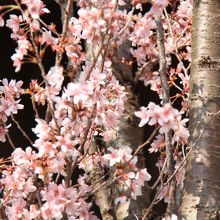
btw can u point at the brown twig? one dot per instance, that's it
(176, 53)
(147, 141)
(66, 13)
(21, 129)
(10, 141)
(124, 28)
(104, 43)
(34, 107)
(160, 176)
(43, 74)
(171, 208)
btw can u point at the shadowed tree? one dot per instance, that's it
(201, 194)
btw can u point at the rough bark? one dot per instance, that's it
(201, 194)
(130, 135)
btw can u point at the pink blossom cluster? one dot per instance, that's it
(100, 99)
(54, 79)
(30, 16)
(29, 178)
(104, 17)
(9, 103)
(143, 34)
(90, 104)
(34, 8)
(14, 23)
(122, 165)
(57, 144)
(166, 117)
(177, 37)
(177, 41)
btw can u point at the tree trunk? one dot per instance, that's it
(201, 194)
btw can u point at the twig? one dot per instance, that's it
(147, 141)
(34, 107)
(10, 141)
(160, 176)
(86, 132)
(171, 208)
(53, 31)
(92, 65)
(176, 41)
(43, 74)
(66, 12)
(104, 42)
(125, 27)
(21, 129)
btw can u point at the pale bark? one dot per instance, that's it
(201, 194)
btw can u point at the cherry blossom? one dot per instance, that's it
(143, 114)
(86, 104)
(14, 22)
(35, 8)
(158, 143)
(118, 155)
(55, 79)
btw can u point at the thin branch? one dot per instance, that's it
(176, 41)
(65, 13)
(93, 63)
(160, 176)
(171, 208)
(104, 42)
(10, 141)
(86, 133)
(125, 27)
(147, 141)
(43, 74)
(53, 31)
(21, 130)
(34, 107)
